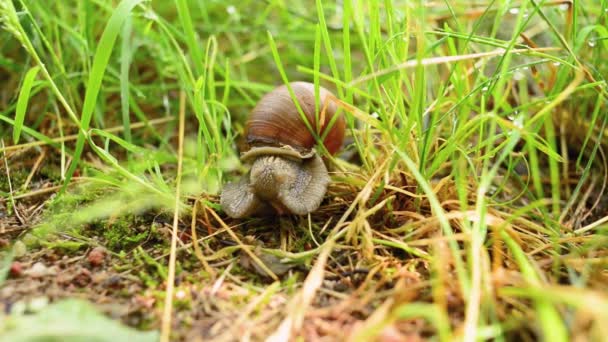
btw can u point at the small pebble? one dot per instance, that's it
(113, 282)
(99, 277)
(83, 278)
(39, 270)
(63, 278)
(96, 256)
(144, 301)
(16, 269)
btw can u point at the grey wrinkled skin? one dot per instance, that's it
(275, 182)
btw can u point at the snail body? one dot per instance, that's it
(287, 175)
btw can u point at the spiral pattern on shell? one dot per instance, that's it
(275, 120)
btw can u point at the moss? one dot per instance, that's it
(64, 245)
(74, 199)
(51, 173)
(18, 177)
(125, 232)
(59, 214)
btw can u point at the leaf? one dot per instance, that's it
(69, 321)
(24, 96)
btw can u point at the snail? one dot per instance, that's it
(287, 175)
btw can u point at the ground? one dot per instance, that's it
(468, 200)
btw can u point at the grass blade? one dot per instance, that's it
(550, 321)
(24, 96)
(125, 62)
(100, 64)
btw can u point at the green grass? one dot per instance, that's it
(471, 188)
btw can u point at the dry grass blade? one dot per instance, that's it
(72, 137)
(444, 60)
(245, 248)
(195, 243)
(301, 302)
(168, 308)
(591, 226)
(10, 185)
(34, 169)
(468, 200)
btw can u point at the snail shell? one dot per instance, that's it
(287, 175)
(275, 120)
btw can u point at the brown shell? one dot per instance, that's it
(275, 120)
